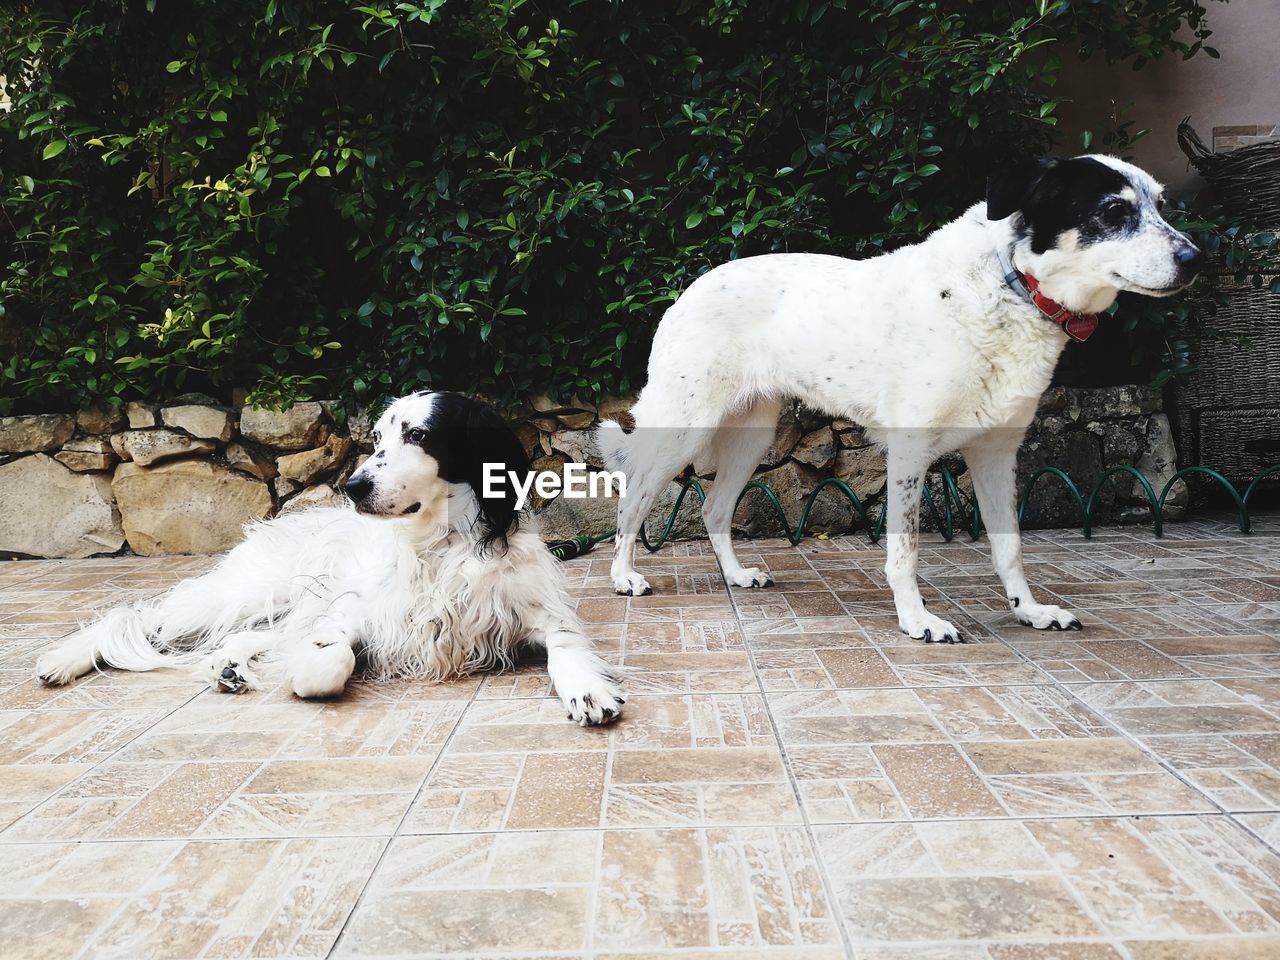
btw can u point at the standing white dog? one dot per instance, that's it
(944, 345)
(425, 578)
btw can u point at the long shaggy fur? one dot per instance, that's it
(431, 592)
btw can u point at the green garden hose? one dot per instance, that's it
(954, 505)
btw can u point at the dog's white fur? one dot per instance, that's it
(926, 347)
(412, 594)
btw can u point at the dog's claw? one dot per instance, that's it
(1075, 625)
(231, 681)
(928, 635)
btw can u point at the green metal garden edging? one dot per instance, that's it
(955, 505)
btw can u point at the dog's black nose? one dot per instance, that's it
(1189, 258)
(359, 487)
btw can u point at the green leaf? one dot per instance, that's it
(53, 149)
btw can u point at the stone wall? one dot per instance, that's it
(185, 477)
(182, 478)
(1082, 431)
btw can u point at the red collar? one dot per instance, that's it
(1077, 326)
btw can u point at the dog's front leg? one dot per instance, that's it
(585, 683)
(909, 457)
(992, 463)
(320, 663)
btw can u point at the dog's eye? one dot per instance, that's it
(417, 435)
(1114, 211)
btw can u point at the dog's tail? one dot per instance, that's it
(613, 440)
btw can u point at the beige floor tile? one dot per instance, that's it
(1222, 736)
(966, 751)
(676, 760)
(1052, 880)
(69, 736)
(1264, 825)
(743, 887)
(1264, 947)
(1167, 876)
(966, 804)
(175, 899)
(478, 894)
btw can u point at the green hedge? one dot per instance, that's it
(339, 199)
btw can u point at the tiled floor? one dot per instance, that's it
(792, 777)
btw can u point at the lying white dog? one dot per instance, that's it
(425, 578)
(944, 345)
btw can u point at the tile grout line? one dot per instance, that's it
(107, 759)
(1124, 734)
(178, 844)
(1232, 822)
(1055, 682)
(1221, 810)
(390, 840)
(640, 828)
(828, 887)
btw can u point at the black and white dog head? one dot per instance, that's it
(1089, 227)
(429, 465)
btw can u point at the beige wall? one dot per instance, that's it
(1243, 87)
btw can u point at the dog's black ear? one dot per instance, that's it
(490, 441)
(1009, 189)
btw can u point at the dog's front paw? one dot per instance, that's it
(321, 669)
(750, 577)
(1045, 616)
(925, 626)
(632, 585)
(590, 703)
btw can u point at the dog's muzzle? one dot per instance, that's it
(358, 488)
(1190, 261)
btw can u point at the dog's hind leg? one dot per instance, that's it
(909, 455)
(229, 668)
(665, 440)
(176, 627)
(992, 461)
(737, 447)
(120, 638)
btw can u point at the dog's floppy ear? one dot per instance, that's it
(1008, 190)
(490, 440)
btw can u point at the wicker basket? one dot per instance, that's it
(1246, 180)
(1228, 411)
